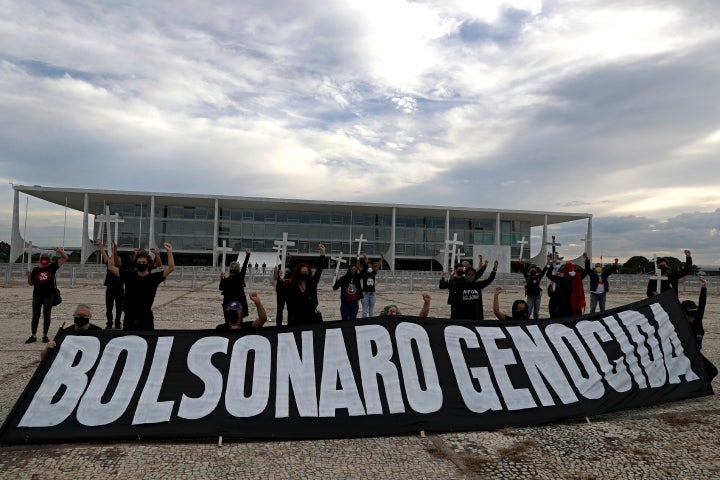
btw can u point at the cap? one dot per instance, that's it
(689, 305)
(234, 306)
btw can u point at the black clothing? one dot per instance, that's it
(532, 283)
(233, 287)
(139, 297)
(595, 277)
(561, 299)
(280, 294)
(368, 278)
(303, 305)
(672, 281)
(225, 327)
(468, 297)
(43, 279)
(114, 297)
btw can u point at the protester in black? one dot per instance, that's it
(140, 288)
(301, 292)
(672, 277)
(694, 314)
(114, 290)
(81, 323)
(42, 279)
(281, 275)
(467, 295)
(233, 286)
(350, 293)
(533, 291)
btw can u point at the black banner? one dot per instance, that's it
(348, 379)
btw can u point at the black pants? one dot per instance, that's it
(142, 322)
(114, 298)
(280, 306)
(44, 302)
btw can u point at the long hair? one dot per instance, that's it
(295, 277)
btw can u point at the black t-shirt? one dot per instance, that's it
(112, 280)
(44, 279)
(140, 293)
(368, 281)
(467, 298)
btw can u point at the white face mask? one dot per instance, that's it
(572, 274)
(369, 269)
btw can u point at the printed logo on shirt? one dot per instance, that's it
(370, 282)
(469, 295)
(43, 276)
(351, 289)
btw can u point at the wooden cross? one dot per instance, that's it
(522, 243)
(339, 260)
(454, 243)
(553, 244)
(360, 242)
(282, 248)
(224, 249)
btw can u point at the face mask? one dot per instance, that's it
(663, 269)
(533, 273)
(234, 271)
(469, 278)
(142, 267)
(572, 274)
(81, 321)
(369, 269)
(304, 277)
(598, 269)
(44, 261)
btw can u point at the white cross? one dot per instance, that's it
(522, 243)
(105, 220)
(224, 249)
(455, 243)
(282, 248)
(658, 277)
(339, 260)
(360, 242)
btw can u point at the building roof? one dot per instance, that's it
(74, 199)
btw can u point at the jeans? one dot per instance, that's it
(533, 302)
(349, 310)
(368, 304)
(595, 298)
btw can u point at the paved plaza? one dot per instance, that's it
(671, 441)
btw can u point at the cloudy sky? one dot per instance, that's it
(608, 107)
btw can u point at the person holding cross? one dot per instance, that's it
(350, 292)
(114, 290)
(666, 278)
(467, 294)
(140, 288)
(233, 286)
(570, 290)
(533, 290)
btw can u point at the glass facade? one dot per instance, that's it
(190, 228)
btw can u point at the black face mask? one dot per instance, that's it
(234, 271)
(81, 321)
(142, 267)
(304, 277)
(533, 273)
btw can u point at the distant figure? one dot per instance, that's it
(81, 323)
(533, 291)
(672, 277)
(281, 275)
(233, 286)
(114, 290)
(599, 284)
(350, 292)
(367, 274)
(570, 290)
(234, 315)
(42, 279)
(264, 268)
(519, 308)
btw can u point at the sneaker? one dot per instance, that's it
(45, 339)
(32, 339)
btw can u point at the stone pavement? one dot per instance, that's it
(671, 441)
